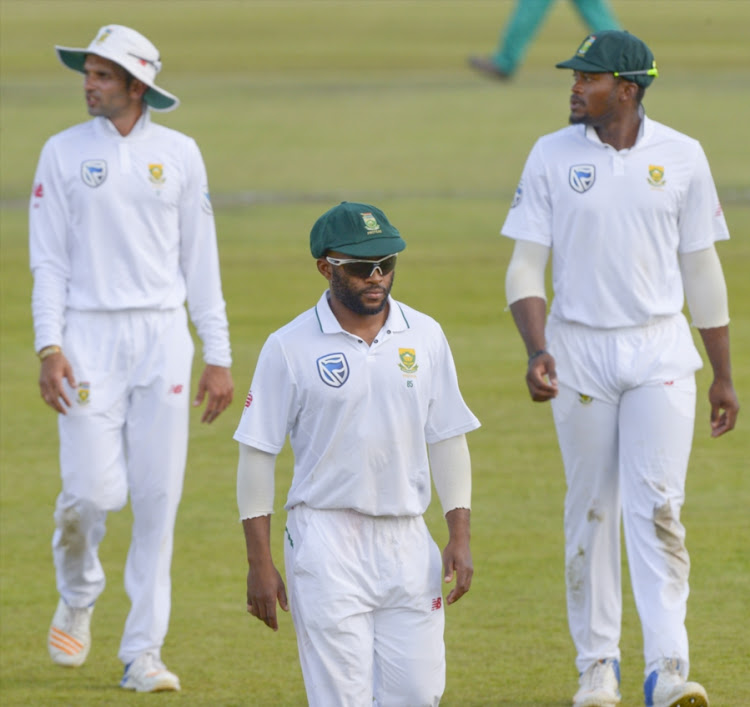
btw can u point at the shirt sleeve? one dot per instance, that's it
(48, 250)
(448, 414)
(199, 259)
(701, 219)
(530, 214)
(270, 406)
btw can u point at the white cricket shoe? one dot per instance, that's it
(666, 687)
(148, 674)
(69, 638)
(599, 685)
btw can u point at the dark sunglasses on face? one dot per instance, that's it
(363, 269)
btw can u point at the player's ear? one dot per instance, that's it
(628, 90)
(137, 88)
(325, 268)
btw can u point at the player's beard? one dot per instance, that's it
(351, 297)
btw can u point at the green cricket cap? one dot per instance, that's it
(360, 230)
(614, 52)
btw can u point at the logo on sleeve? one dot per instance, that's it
(93, 173)
(582, 177)
(333, 369)
(206, 200)
(517, 196)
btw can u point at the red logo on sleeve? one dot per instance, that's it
(39, 191)
(437, 603)
(249, 399)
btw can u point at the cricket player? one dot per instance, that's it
(366, 389)
(629, 211)
(121, 234)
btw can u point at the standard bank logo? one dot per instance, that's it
(94, 172)
(333, 369)
(582, 177)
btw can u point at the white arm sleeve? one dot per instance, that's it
(255, 482)
(705, 288)
(451, 471)
(525, 275)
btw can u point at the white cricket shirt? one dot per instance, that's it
(616, 220)
(358, 417)
(124, 222)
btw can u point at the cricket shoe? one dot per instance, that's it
(666, 687)
(148, 674)
(485, 65)
(69, 638)
(599, 685)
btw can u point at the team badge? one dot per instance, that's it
(582, 177)
(83, 393)
(371, 223)
(206, 200)
(517, 196)
(103, 35)
(656, 176)
(408, 358)
(586, 45)
(249, 399)
(94, 172)
(333, 369)
(585, 399)
(156, 173)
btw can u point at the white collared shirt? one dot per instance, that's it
(358, 417)
(617, 220)
(124, 222)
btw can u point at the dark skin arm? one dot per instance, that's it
(457, 553)
(264, 583)
(721, 394)
(529, 314)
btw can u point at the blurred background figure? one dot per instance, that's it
(522, 27)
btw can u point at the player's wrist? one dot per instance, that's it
(537, 354)
(47, 351)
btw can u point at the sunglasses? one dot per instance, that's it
(365, 268)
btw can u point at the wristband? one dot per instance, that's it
(48, 351)
(536, 354)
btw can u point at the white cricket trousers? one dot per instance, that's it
(624, 416)
(126, 432)
(366, 600)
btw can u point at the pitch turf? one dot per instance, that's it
(297, 105)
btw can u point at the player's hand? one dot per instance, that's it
(724, 406)
(457, 554)
(217, 382)
(54, 369)
(541, 378)
(264, 587)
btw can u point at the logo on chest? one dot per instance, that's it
(582, 177)
(94, 173)
(333, 369)
(156, 174)
(656, 176)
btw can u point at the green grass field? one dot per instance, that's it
(299, 104)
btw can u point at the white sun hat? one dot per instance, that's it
(130, 50)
